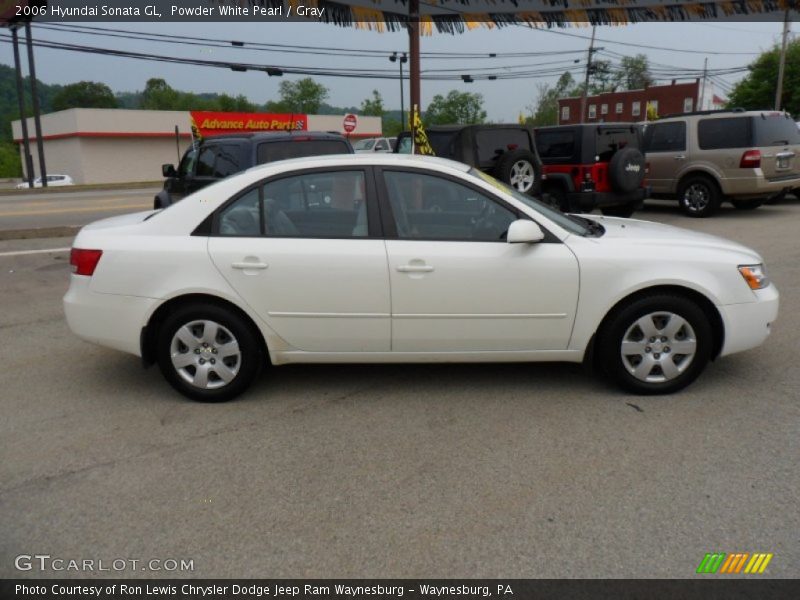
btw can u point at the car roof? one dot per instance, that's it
(343, 160)
(276, 136)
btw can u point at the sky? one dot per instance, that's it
(685, 46)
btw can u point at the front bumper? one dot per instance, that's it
(109, 320)
(588, 201)
(748, 325)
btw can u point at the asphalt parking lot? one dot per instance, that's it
(397, 471)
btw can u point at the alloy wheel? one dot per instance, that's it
(522, 176)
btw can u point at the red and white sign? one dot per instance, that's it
(349, 123)
(216, 123)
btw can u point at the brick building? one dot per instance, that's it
(631, 105)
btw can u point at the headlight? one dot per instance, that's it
(755, 276)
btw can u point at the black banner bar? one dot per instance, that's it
(380, 589)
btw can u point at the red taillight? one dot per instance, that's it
(84, 262)
(751, 159)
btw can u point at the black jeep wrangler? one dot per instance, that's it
(507, 152)
(595, 165)
(217, 157)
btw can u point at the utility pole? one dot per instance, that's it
(703, 88)
(27, 159)
(588, 72)
(37, 113)
(782, 63)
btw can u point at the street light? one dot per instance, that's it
(401, 59)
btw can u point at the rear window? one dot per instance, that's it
(442, 142)
(272, 151)
(665, 137)
(775, 130)
(716, 134)
(493, 142)
(555, 144)
(608, 141)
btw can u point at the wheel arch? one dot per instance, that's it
(706, 305)
(699, 172)
(149, 333)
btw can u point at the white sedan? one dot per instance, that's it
(52, 181)
(398, 258)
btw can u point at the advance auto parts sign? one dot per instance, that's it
(210, 123)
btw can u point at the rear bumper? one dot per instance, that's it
(590, 200)
(109, 320)
(748, 325)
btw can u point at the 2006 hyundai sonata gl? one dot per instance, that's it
(388, 258)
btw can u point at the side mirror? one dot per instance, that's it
(168, 170)
(523, 231)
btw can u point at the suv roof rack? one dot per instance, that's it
(715, 111)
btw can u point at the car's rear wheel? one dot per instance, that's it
(747, 204)
(208, 353)
(626, 210)
(699, 196)
(657, 344)
(520, 170)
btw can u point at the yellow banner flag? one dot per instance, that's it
(421, 143)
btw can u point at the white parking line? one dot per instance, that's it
(44, 251)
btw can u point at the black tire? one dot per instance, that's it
(514, 168)
(625, 210)
(626, 170)
(651, 356)
(699, 196)
(747, 204)
(556, 197)
(242, 368)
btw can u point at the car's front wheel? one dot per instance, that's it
(656, 344)
(208, 353)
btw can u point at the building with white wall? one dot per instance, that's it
(103, 145)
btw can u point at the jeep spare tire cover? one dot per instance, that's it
(626, 170)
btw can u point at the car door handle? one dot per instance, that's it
(415, 268)
(680, 157)
(249, 265)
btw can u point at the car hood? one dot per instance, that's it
(647, 233)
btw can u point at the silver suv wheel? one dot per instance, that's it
(522, 176)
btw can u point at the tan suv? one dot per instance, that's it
(704, 158)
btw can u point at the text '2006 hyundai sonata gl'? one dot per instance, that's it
(396, 258)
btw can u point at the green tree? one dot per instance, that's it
(457, 107)
(158, 95)
(301, 96)
(10, 163)
(545, 111)
(634, 73)
(84, 94)
(373, 107)
(757, 90)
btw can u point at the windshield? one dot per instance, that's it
(364, 145)
(574, 225)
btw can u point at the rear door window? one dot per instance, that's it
(775, 130)
(555, 144)
(493, 142)
(665, 137)
(609, 141)
(281, 150)
(716, 134)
